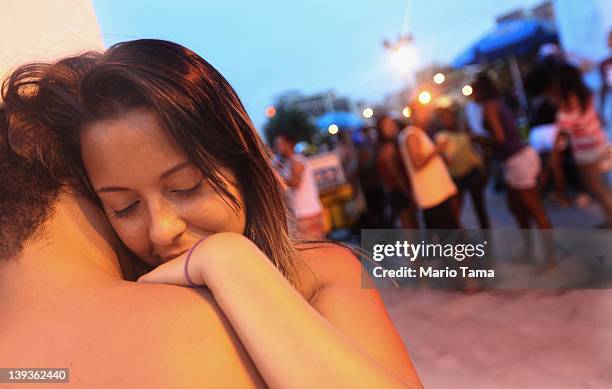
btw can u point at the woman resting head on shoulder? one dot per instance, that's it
(157, 136)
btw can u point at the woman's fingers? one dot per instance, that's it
(171, 272)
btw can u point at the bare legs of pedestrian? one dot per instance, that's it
(593, 179)
(476, 186)
(408, 218)
(525, 205)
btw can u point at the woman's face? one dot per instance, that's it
(447, 118)
(389, 128)
(421, 116)
(157, 201)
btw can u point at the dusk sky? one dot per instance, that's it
(265, 48)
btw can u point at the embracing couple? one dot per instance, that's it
(141, 164)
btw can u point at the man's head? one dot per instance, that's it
(284, 145)
(448, 118)
(387, 128)
(485, 89)
(27, 195)
(32, 171)
(422, 114)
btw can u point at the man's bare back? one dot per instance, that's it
(65, 312)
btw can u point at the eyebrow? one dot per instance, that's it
(165, 174)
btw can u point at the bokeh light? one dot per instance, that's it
(467, 90)
(407, 112)
(424, 97)
(270, 111)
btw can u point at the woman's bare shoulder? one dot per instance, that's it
(331, 263)
(356, 311)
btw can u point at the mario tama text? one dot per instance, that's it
(430, 260)
(432, 272)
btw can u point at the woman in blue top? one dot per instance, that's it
(520, 161)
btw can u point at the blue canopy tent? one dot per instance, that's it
(342, 119)
(511, 38)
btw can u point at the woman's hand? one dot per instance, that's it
(213, 248)
(173, 272)
(442, 142)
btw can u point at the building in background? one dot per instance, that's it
(583, 30)
(315, 105)
(46, 31)
(545, 10)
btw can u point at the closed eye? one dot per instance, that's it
(125, 212)
(189, 191)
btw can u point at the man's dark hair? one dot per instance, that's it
(290, 138)
(33, 169)
(27, 195)
(485, 88)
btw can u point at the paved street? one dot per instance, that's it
(509, 338)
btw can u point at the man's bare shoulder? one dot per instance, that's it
(153, 298)
(127, 335)
(183, 331)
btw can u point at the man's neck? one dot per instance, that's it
(75, 246)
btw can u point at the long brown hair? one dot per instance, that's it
(199, 110)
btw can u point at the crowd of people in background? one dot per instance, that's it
(447, 150)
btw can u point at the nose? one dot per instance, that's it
(165, 225)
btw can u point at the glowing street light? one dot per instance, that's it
(467, 90)
(407, 112)
(439, 78)
(403, 59)
(332, 129)
(270, 111)
(367, 112)
(424, 97)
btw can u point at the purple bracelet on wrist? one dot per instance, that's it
(186, 269)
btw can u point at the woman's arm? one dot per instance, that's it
(295, 178)
(415, 151)
(491, 110)
(555, 155)
(292, 344)
(389, 155)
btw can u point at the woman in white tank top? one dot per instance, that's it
(431, 182)
(432, 185)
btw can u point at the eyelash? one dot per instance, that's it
(123, 213)
(190, 191)
(126, 212)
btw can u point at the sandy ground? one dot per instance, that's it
(509, 338)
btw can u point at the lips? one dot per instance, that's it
(187, 243)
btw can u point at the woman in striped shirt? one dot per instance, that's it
(578, 120)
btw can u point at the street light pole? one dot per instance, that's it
(402, 40)
(401, 57)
